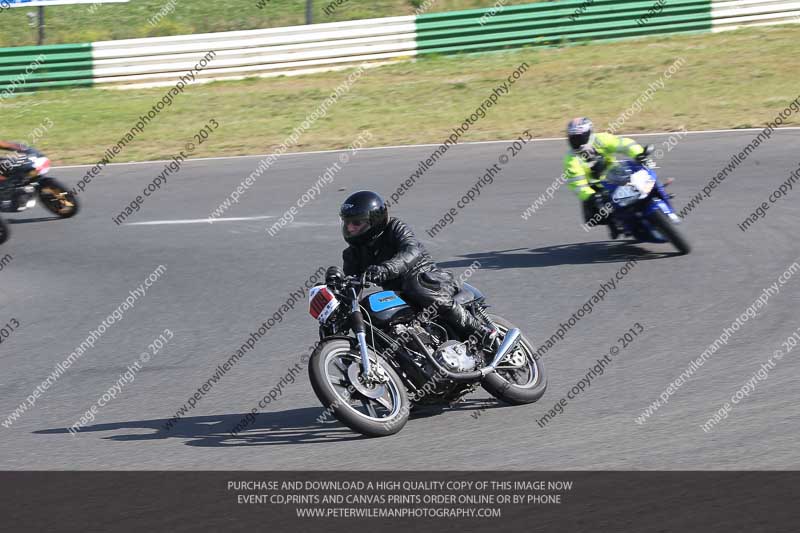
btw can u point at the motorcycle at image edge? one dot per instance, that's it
(3, 231)
(28, 175)
(396, 358)
(639, 206)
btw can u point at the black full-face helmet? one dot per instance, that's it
(579, 132)
(364, 216)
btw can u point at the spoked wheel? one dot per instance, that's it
(372, 407)
(4, 231)
(57, 199)
(519, 378)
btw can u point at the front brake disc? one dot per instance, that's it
(368, 388)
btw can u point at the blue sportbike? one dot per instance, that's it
(640, 206)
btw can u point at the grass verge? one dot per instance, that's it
(727, 80)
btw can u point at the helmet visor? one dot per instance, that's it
(355, 225)
(577, 140)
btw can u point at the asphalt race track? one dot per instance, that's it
(223, 279)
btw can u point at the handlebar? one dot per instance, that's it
(358, 280)
(338, 281)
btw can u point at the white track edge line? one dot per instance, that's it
(393, 147)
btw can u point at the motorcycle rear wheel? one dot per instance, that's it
(516, 385)
(57, 199)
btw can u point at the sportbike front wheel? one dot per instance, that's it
(374, 409)
(665, 226)
(520, 377)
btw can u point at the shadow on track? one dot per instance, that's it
(427, 411)
(30, 220)
(293, 426)
(580, 253)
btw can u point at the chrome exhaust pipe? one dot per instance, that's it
(512, 336)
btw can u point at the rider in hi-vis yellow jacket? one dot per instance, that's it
(590, 155)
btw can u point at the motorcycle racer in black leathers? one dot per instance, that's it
(392, 257)
(6, 164)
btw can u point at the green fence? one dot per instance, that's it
(539, 24)
(33, 67)
(550, 23)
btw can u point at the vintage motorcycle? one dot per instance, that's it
(398, 357)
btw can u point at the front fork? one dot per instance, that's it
(662, 192)
(360, 330)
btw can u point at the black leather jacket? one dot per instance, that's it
(396, 248)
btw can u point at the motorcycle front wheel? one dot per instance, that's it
(665, 226)
(374, 410)
(5, 232)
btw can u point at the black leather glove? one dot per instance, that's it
(333, 276)
(644, 157)
(377, 274)
(599, 201)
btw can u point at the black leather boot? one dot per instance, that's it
(466, 325)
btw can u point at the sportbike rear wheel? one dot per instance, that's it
(520, 377)
(57, 199)
(372, 409)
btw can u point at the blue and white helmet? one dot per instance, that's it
(579, 132)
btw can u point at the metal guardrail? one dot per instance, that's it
(36, 67)
(552, 23)
(270, 52)
(729, 15)
(330, 46)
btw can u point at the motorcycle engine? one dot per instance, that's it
(453, 355)
(426, 335)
